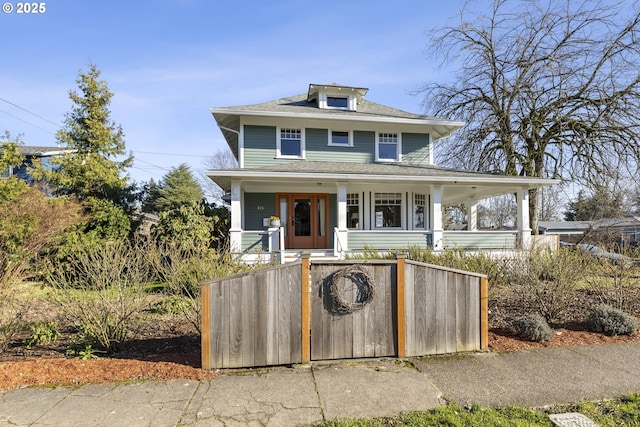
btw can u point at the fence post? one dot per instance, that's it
(484, 313)
(400, 309)
(305, 288)
(205, 328)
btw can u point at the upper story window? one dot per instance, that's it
(388, 147)
(337, 102)
(290, 143)
(341, 138)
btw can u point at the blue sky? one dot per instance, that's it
(168, 62)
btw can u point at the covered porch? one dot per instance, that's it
(338, 209)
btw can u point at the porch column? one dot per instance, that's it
(524, 226)
(472, 215)
(340, 242)
(436, 215)
(235, 232)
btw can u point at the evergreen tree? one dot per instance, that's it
(178, 188)
(148, 196)
(93, 168)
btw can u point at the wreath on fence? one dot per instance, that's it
(365, 287)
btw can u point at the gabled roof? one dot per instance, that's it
(461, 184)
(300, 106)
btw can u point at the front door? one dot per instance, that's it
(307, 220)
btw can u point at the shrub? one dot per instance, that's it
(28, 222)
(107, 298)
(42, 333)
(533, 328)
(182, 271)
(611, 321)
(546, 280)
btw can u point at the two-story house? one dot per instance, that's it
(344, 174)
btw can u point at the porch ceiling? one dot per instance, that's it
(458, 186)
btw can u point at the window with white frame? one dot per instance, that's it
(353, 210)
(338, 102)
(387, 147)
(340, 138)
(290, 143)
(419, 209)
(388, 210)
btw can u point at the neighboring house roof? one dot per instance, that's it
(626, 222)
(461, 183)
(300, 106)
(42, 151)
(563, 227)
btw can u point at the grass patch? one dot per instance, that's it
(621, 412)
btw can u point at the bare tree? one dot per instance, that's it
(222, 159)
(547, 89)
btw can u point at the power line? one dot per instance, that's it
(29, 123)
(57, 125)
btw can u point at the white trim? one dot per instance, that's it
(357, 118)
(279, 155)
(323, 102)
(349, 137)
(398, 143)
(499, 180)
(241, 147)
(436, 217)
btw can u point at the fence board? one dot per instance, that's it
(410, 308)
(260, 334)
(249, 314)
(255, 319)
(235, 324)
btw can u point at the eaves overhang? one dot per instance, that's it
(469, 184)
(228, 120)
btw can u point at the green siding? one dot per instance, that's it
(479, 240)
(315, 141)
(259, 145)
(318, 148)
(416, 148)
(387, 240)
(255, 242)
(256, 207)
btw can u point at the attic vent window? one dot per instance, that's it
(337, 102)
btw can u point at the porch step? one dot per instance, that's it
(291, 256)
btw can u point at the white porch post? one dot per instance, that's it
(235, 232)
(524, 226)
(340, 243)
(472, 216)
(436, 217)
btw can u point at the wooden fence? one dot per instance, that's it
(304, 311)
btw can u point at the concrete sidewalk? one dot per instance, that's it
(325, 391)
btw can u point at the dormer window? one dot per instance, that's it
(338, 102)
(336, 97)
